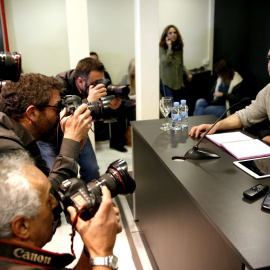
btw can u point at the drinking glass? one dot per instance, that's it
(165, 106)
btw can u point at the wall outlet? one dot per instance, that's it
(206, 62)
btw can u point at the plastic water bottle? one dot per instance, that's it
(176, 117)
(184, 113)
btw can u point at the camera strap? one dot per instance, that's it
(72, 235)
(33, 256)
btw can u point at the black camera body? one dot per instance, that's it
(10, 66)
(87, 198)
(73, 192)
(100, 110)
(121, 91)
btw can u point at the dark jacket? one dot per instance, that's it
(14, 136)
(67, 78)
(235, 94)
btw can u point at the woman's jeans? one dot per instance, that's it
(177, 95)
(202, 108)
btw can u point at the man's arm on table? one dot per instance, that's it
(231, 122)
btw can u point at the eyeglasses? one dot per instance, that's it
(58, 107)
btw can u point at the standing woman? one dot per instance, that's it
(172, 69)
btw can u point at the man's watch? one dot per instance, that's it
(111, 261)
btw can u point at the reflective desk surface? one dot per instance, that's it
(192, 212)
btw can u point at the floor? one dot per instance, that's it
(61, 240)
(105, 156)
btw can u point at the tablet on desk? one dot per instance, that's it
(257, 167)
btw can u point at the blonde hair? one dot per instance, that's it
(131, 72)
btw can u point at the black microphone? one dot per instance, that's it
(196, 152)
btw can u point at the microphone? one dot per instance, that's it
(196, 152)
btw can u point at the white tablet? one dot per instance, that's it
(256, 167)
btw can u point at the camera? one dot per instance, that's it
(86, 198)
(116, 90)
(10, 66)
(100, 110)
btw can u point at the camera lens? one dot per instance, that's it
(116, 179)
(87, 198)
(10, 66)
(100, 110)
(118, 90)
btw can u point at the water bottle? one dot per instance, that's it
(176, 117)
(184, 113)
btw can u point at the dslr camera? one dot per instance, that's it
(100, 110)
(10, 66)
(86, 198)
(121, 91)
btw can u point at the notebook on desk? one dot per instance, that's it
(241, 146)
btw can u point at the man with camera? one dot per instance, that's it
(83, 81)
(29, 112)
(26, 223)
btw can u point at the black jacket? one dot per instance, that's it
(14, 136)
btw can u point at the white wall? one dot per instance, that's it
(193, 18)
(112, 36)
(111, 27)
(38, 29)
(147, 59)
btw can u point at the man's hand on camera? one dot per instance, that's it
(76, 125)
(99, 233)
(115, 103)
(96, 92)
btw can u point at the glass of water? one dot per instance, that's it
(165, 106)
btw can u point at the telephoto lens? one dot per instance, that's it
(87, 198)
(117, 90)
(10, 66)
(116, 179)
(100, 110)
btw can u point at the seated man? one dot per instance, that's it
(26, 221)
(29, 112)
(255, 113)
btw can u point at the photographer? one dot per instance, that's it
(82, 81)
(30, 112)
(27, 220)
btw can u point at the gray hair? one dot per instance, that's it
(17, 197)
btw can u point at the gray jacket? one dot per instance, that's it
(258, 110)
(14, 136)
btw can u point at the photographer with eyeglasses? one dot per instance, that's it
(29, 112)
